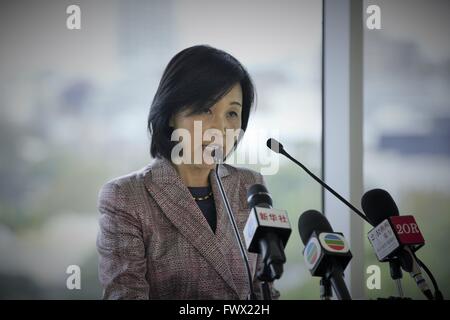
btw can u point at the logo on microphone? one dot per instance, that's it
(312, 253)
(407, 230)
(383, 240)
(333, 242)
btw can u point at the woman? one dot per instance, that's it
(164, 232)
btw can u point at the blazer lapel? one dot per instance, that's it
(176, 202)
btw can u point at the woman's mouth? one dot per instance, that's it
(210, 146)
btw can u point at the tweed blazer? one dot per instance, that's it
(155, 243)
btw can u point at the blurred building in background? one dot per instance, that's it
(74, 105)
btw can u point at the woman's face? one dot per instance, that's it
(212, 126)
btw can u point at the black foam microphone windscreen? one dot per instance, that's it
(311, 221)
(378, 205)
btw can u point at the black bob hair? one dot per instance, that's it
(196, 78)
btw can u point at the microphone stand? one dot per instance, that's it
(325, 289)
(252, 295)
(396, 275)
(265, 288)
(278, 148)
(338, 284)
(266, 275)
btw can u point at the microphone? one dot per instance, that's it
(266, 232)
(394, 237)
(277, 147)
(379, 201)
(218, 156)
(326, 252)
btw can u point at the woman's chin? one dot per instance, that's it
(205, 165)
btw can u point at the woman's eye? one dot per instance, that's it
(233, 114)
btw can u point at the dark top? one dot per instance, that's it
(206, 206)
